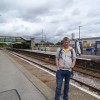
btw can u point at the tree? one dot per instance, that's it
(59, 43)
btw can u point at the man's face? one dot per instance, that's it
(66, 43)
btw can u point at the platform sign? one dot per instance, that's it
(97, 48)
(98, 44)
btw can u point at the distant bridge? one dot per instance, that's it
(6, 39)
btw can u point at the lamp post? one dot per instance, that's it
(79, 33)
(45, 43)
(45, 38)
(42, 35)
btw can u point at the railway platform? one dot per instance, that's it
(89, 57)
(92, 57)
(12, 78)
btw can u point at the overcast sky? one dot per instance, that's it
(57, 18)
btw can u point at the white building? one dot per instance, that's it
(86, 42)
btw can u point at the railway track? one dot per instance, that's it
(84, 70)
(87, 71)
(53, 70)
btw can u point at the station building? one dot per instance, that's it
(15, 42)
(87, 44)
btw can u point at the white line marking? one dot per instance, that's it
(82, 89)
(83, 58)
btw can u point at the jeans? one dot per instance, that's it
(60, 75)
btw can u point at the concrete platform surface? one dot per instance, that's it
(12, 78)
(10, 95)
(74, 93)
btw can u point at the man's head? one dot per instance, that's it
(66, 42)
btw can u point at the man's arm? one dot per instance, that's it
(57, 58)
(73, 64)
(57, 64)
(74, 59)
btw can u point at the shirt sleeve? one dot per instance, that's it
(74, 55)
(57, 53)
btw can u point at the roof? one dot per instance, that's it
(88, 38)
(17, 42)
(14, 37)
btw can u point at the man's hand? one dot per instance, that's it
(57, 68)
(57, 64)
(73, 64)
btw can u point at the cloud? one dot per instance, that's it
(57, 18)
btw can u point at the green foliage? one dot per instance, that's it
(26, 44)
(4, 45)
(59, 43)
(44, 43)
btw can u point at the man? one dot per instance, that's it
(65, 61)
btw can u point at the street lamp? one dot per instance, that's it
(45, 43)
(79, 33)
(42, 35)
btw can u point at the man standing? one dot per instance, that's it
(65, 61)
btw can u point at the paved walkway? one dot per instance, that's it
(12, 78)
(75, 93)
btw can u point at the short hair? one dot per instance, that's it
(66, 39)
